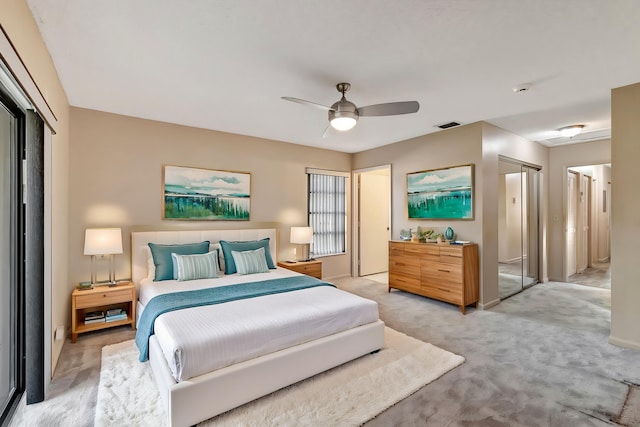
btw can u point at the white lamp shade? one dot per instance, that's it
(343, 123)
(570, 131)
(102, 241)
(301, 235)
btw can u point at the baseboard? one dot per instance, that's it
(624, 343)
(489, 304)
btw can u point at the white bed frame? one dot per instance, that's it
(200, 398)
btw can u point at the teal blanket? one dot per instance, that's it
(209, 296)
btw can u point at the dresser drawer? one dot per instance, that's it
(396, 249)
(411, 284)
(449, 255)
(436, 271)
(96, 299)
(422, 249)
(406, 266)
(442, 291)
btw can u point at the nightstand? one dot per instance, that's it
(102, 298)
(311, 268)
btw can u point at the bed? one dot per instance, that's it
(300, 333)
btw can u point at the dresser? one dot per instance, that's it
(440, 271)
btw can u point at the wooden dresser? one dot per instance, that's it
(441, 271)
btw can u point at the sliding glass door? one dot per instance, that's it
(518, 236)
(11, 257)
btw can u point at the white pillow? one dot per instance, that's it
(216, 247)
(198, 266)
(250, 262)
(151, 267)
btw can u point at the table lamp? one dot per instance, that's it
(103, 242)
(302, 236)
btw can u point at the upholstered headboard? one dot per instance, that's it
(140, 240)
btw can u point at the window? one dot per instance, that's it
(12, 367)
(328, 211)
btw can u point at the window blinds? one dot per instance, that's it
(327, 212)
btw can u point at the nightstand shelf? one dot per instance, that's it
(311, 268)
(102, 298)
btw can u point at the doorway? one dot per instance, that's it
(518, 226)
(587, 244)
(373, 218)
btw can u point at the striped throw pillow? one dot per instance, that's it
(250, 262)
(192, 267)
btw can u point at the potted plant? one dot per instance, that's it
(423, 235)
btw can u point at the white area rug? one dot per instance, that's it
(348, 395)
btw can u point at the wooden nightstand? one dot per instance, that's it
(311, 268)
(102, 298)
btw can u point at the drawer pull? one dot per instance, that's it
(444, 290)
(445, 271)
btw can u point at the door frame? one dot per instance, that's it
(355, 213)
(593, 200)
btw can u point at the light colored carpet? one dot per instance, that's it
(350, 394)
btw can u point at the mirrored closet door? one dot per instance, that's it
(518, 225)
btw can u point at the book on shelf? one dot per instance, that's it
(91, 321)
(93, 315)
(116, 317)
(114, 311)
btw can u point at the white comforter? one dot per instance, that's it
(202, 339)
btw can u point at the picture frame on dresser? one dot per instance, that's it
(190, 193)
(444, 193)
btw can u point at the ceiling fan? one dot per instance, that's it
(344, 114)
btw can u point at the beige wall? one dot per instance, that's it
(115, 179)
(478, 143)
(497, 142)
(455, 146)
(18, 24)
(625, 220)
(587, 153)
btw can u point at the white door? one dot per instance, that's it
(584, 205)
(572, 215)
(374, 202)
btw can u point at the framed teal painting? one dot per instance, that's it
(445, 193)
(205, 194)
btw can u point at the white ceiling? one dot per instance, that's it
(224, 64)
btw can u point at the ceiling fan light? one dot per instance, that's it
(570, 131)
(343, 123)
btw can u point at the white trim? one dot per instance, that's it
(26, 84)
(327, 172)
(9, 83)
(623, 343)
(48, 319)
(489, 304)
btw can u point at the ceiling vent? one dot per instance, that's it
(448, 125)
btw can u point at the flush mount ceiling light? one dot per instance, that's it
(570, 131)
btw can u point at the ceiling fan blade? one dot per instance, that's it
(389, 109)
(309, 103)
(328, 132)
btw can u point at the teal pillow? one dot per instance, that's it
(192, 267)
(162, 256)
(228, 247)
(250, 262)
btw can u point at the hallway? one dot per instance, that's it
(597, 276)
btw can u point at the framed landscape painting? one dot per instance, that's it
(445, 193)
(205, 194)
